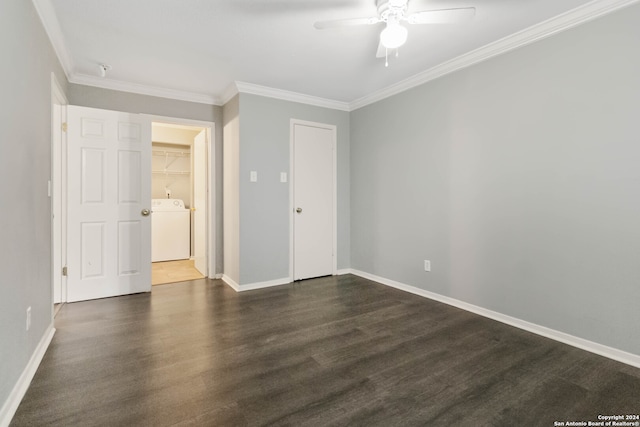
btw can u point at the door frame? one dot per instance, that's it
(59, 160)
(210, 127)
(58, 191)
(333, 129)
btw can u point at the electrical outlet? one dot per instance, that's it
(427, 265)
(28, 318)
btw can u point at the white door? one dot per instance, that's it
(199, 154)
(59, 281)
(313, 200)
(109, 196)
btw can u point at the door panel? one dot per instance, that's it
(129, 248)
(129, 185)
(313, 190)
(92, 252)
(92, 178)
(109, 186)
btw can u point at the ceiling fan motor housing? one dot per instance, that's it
(391, 10)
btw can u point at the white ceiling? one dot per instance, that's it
(197, 49)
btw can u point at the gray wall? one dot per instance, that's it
(94, 97)
(25, 167)
(519, 178)
(264, 205)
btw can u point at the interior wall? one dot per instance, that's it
(173, 135)
(264, 205)
(171, 172)
(518, 178)
(231, 199)
(88, 96)
(25, 167)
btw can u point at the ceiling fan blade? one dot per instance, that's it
(442, 16)
(323, 25)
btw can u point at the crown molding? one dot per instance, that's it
(105, 83)
(49, 21)
(51, 25)
(229, 93)
(565, 21)
(286, 95)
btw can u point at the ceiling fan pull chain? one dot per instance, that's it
(397, 50)
(386, 56)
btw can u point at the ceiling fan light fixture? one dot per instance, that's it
(394, 35)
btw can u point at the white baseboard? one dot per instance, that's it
(593, 347)
(232, 284)
(253, 286)
(217, 276)
(279, 282)
(267, 284)
(10, 407)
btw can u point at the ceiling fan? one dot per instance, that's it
(393, 13)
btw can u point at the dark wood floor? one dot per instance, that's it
(330, 351)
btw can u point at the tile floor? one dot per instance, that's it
(173, 271)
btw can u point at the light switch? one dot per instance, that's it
(283, 177)
(253, 176)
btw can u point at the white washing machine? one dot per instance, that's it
(170, 230)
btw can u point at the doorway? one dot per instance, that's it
(180, 171)
(62, 223)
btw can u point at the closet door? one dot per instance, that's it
(109, 196)
(314, 194)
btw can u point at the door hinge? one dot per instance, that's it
(64, 127)
(64, 271)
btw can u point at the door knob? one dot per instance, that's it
(145, 212)
(299, 210)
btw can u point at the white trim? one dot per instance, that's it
(19, 390)
(232, 283)
(179, 121)
(229, 93)
(211, 201)
(106, 83)
(334, 130)
(286, 95)
(344, 271)
(253, 286)
(211, 179)
(58, 198)
(217, 276)
(262, 285)
(56, 90)
(51, 25)
(565, 21)
(581, 343)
